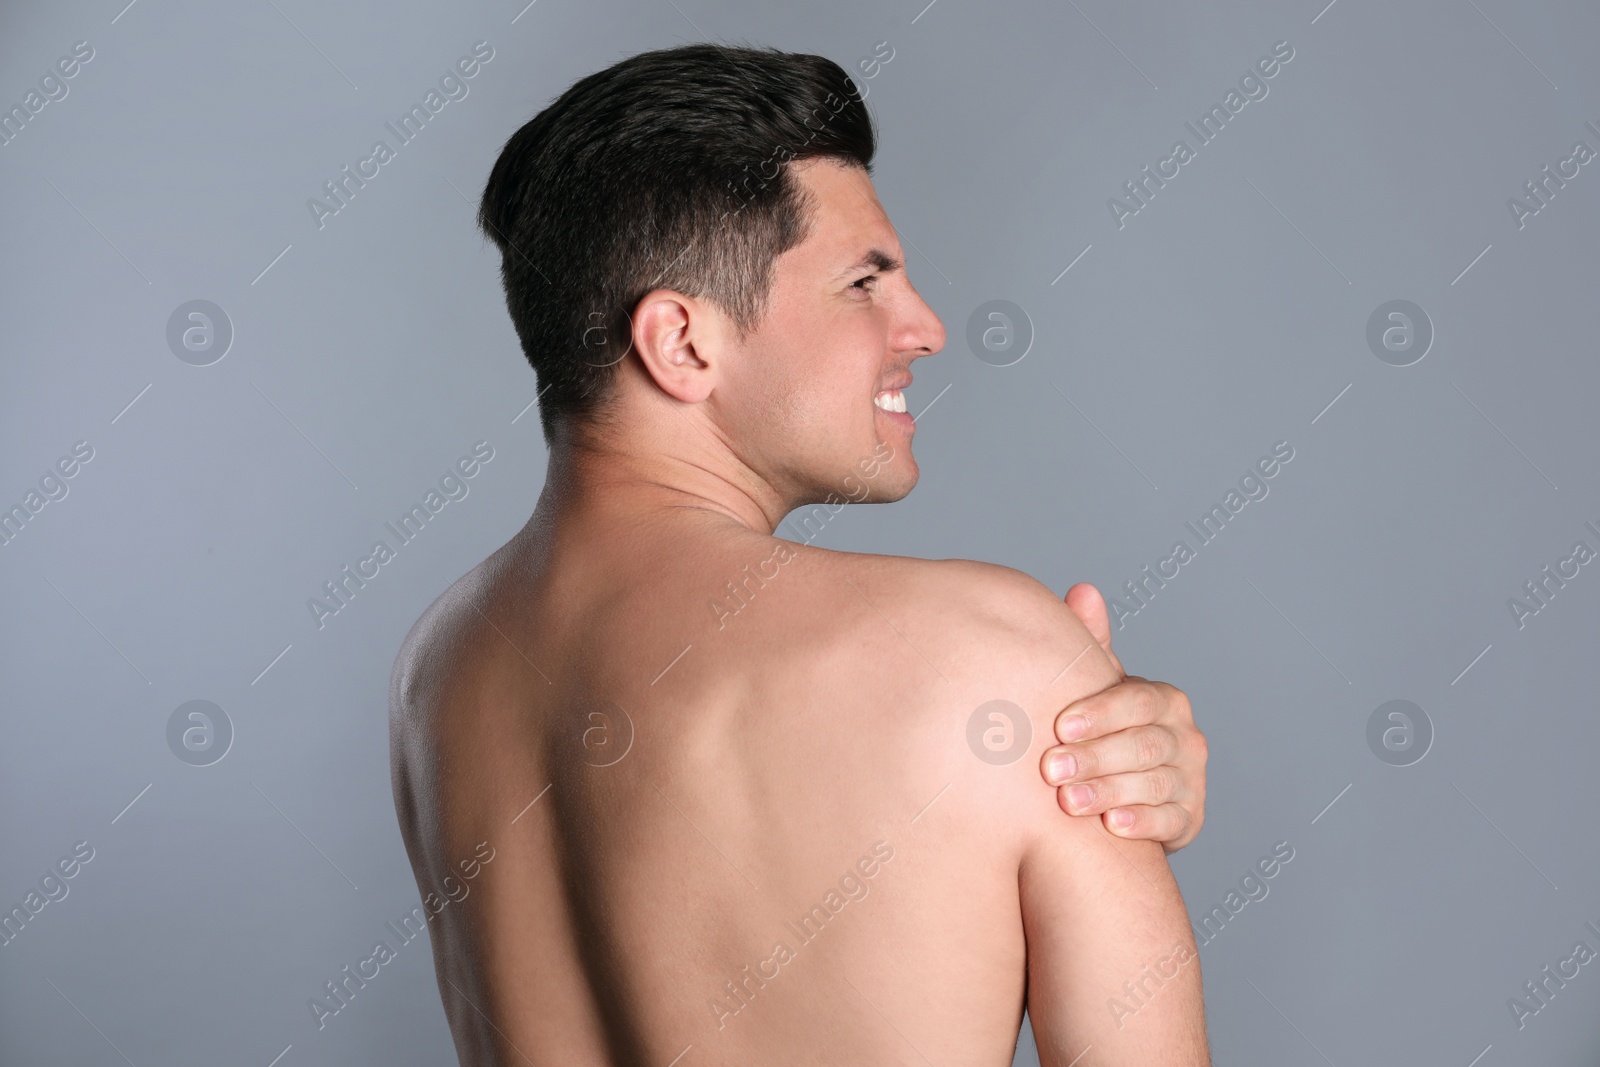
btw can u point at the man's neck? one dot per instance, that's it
(592, 474)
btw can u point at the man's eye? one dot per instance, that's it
(861, 284)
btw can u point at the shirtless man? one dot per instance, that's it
(678, 791)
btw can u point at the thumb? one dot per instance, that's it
(1090, 608)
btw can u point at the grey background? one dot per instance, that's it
(1227, 315)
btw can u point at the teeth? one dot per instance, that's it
(893, 400)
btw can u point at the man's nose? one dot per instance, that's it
(924, 332)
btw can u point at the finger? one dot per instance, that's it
(1090, 608)
(1157, 786)
(1134, 701)
(1167, 823)
(1138, 748)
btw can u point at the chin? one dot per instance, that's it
(893, 483)
(888, 495)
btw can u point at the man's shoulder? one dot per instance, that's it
(446, 652)
(984, 628)
(958, 582)
(969, 600)
(985, 656)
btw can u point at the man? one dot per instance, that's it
(746, 800)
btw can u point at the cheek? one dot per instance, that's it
(828, 374)
(773, 385)
(810, 378)
(855, 347)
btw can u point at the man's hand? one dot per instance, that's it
(1130, 753)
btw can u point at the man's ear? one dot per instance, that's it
(677, 339)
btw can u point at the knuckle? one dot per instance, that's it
(1156, 824)
(1162, 783)
(1088, 759)
(1148, 703)
(1178, 823)
(1149, 747)
(1108, 793)
(1175, 703)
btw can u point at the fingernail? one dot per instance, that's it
(1080, 796)
(1073, 726)
(1062, 766)
(1121, 818)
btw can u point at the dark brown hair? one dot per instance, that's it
(665, 170)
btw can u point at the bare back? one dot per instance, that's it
(734, 806)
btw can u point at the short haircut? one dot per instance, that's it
(665, 170)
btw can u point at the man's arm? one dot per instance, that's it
(1112, 963)
(1131, 753)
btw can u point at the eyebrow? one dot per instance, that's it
(875, 258)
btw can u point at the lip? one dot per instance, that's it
(900, 418)
(903, 419)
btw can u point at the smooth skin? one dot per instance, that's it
(787, 826)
